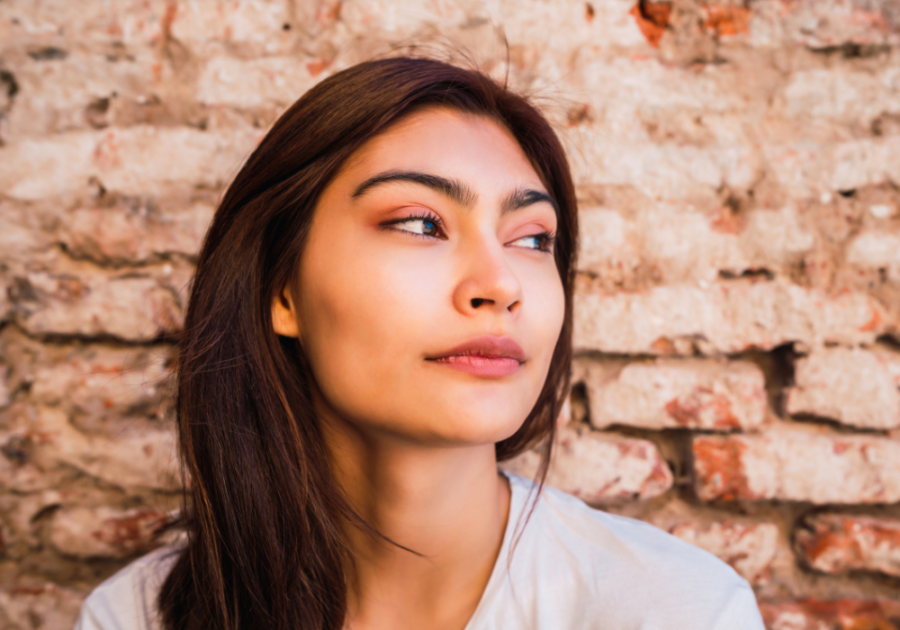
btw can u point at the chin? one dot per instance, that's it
(482, 424)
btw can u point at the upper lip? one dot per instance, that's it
(488, 346)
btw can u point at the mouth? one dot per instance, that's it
(486, 356)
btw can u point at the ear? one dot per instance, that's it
(284, 315)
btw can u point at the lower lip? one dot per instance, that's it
(481, 366)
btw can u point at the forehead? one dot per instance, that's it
(450, 143)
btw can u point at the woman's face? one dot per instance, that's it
(427, 299)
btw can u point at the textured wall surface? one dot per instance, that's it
(738, 322)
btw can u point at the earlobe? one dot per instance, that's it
(284, 316)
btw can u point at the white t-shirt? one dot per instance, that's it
(573, 567)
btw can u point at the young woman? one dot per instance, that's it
(382, 310)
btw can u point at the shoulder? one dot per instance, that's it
(633, 567)
(127, 600)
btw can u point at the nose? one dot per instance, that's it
(487, 282)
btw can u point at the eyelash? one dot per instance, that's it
(546, 239)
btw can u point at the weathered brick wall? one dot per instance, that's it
(739, 300)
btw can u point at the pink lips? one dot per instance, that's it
(485, 356)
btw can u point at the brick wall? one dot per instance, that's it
(738, 312)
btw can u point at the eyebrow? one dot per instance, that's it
(522, 197)
(456, 190)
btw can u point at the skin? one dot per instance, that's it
(377, 296)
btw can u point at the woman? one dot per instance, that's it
(381, 311)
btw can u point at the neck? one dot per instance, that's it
(446, 505)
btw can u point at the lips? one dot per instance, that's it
(487, 356)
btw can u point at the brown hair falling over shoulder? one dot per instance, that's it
(263, 514)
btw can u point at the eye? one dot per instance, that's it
(541, 242)
(428, 225)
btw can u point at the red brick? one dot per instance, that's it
(39, 607)
(699, 394)
(839, 614)
(725, 21)
(95, 303)
(652, 18)
(105, 532)
(852, 386)
(748, 547)
(600, 468)
(724, 318)
(792, 464)
(835, 543)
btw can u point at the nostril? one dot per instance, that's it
(476, 302)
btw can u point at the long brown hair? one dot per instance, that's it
(263, 514)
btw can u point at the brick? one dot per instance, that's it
(852, 386)
(135, 232)
(99, 381)
(252, 83)
(106, 532)
(807, 168)
(141, 457)
(696, 394)
(253, 26)
(19, 512)
(843, 95)
(876, 251)
(609, 247)
(135, 160)
(835, 543)
(4, 387)
(17, 471)
(726, 21)
(95, 303)
(42, 606)
(57, 22)
(679, 246)
(726, 317)
(838, 614)
(600, 468)
(748, 547)
(790, 464)
(832, 23)
(571, 25)
(55, 96)
(665, 171)
(644, 88)
(25, 237)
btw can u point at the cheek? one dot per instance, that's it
(545, 307)
(365, 313)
